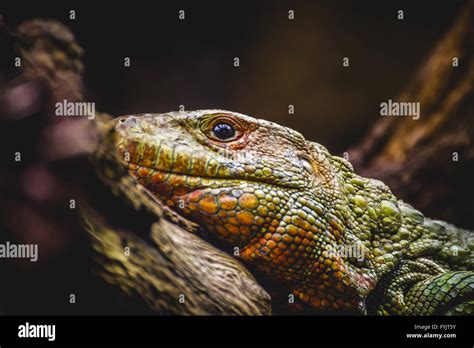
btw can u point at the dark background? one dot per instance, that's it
(282, 61)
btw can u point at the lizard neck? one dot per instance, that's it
(377, 220)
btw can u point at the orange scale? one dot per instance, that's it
(297, 221)
(181, 164)
(180, 191)
(271, 244)
(148, 155)
(291, 229)
(245, 230)
(276, 237)
(233, 220)
(301, 232)
(195, 196)
(248, 201)
(227, 201)
(222, 214)
(346, 280)
(143, 171)
(232, 229)
(193, 181)
(193, 206)
(208, 204)
(245, 217)
(176, 180)
(158, 177)
(304, 297)
(275, 223)
(280, 230)
(277, 251)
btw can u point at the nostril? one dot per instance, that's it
(130, 121)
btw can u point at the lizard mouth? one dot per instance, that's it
(159, 175)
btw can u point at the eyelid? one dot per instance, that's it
(238, 126)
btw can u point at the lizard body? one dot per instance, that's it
(339, 241)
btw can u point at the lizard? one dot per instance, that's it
(301, 216)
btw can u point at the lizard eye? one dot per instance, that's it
(223, 131)
(222, 127)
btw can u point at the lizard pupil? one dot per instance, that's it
(223, 131)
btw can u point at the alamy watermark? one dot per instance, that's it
(352, 251)
(67, 108)
(228, 155)
(28, 330)
(19, 251)
(394, 108)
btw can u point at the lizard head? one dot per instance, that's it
(254, 184)
(233, 171)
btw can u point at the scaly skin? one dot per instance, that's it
(341, 242)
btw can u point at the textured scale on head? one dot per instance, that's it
(294, 210)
